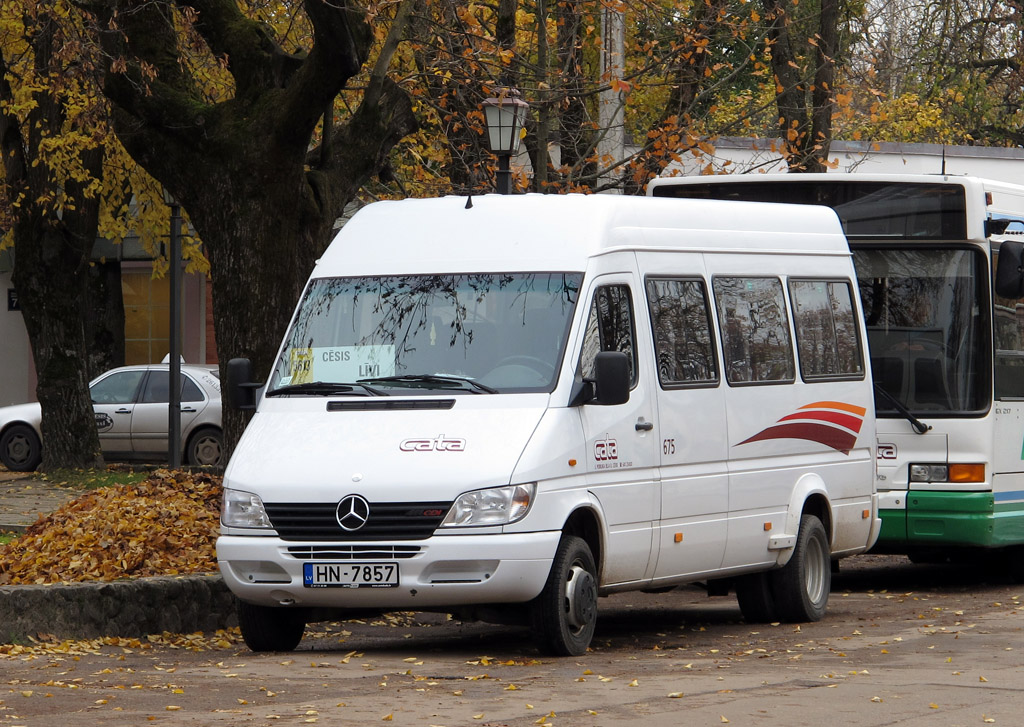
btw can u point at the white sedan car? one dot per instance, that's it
(131, 415)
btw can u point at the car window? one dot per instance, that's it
(118, 388)
(156, 389)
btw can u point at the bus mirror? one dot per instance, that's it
(240, 389)
(611, 377)
(1010, 270)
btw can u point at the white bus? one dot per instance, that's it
(507, 407)
(946, 345)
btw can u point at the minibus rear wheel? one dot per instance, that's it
(801, 587)
(266, 628)
(565, 613)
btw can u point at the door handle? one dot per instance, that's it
(643, 426)
(122, 411)
(187, 409)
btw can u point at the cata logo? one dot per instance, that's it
(440, 443)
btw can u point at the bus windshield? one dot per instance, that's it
(927, 327)
(463, 333)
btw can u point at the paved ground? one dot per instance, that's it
(23, 499)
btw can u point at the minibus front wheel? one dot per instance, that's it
(268, 628)
(565, 613)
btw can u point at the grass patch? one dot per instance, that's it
(91, 479)
(6, 538)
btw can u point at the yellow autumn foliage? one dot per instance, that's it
(165, 525)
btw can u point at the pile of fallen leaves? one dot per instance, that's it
(165, 525)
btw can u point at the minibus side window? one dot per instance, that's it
(755, 330)
(681, 323)
(826, 330)
(609, 328)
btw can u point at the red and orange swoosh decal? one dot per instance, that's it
(834, 424)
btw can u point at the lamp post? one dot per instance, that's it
(505, 114)
(174, 356)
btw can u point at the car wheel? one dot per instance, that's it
(20, 448)
(801, 587)
(565, 613)
(205, 447)
(266, 628)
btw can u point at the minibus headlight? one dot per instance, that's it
(494, 506)
(243, 510)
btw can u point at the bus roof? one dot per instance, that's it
(560, 232)
(981, 200)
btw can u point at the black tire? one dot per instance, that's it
(565, 613)
(801, 587)
(205, 448)
(20, 448)
(754, 594)
(266, 628)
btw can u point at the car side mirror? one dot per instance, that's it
(241, 389)
(611, 378)
(1009, 281)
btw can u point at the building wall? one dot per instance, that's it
(17, 375)
(739, 155)
(147, 323)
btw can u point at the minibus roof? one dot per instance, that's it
(535, 232)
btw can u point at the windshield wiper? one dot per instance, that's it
(326, 388)
(448, 381)
(919, 426)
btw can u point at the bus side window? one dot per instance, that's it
(681, 323)
(1008, 324)
(826, 330)
(755, 330)
(609, 328)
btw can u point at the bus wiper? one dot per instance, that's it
(326, 388)
(919, 426)
(475, 386)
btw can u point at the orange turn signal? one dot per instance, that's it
(967, 473)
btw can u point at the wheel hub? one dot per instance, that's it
(581, 594)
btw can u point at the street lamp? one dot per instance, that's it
(174, 356)
(505, 114)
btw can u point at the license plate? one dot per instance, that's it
(350, 575)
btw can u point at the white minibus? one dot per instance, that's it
(506, 407)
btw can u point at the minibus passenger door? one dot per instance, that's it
(622, 439)
(691, 404)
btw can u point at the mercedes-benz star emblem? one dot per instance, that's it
(353, 512)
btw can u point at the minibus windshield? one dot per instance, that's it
(473, 333)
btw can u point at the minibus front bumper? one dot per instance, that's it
(444, 570)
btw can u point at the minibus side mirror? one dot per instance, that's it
(241, 389)
(1010, 270)
(611, 378)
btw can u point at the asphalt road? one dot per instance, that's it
(901, 645)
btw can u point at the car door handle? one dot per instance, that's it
(122, 411)
(643, 426)
(188, 409)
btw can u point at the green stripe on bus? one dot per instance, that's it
(952, 519)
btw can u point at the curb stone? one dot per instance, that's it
(128, 608)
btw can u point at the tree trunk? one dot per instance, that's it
(51, 256)
(263, 203)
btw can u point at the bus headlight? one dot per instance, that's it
(243, 510)
(959, 473)
(494, 506)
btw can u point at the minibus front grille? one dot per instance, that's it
(386, 521)
(353, 552)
